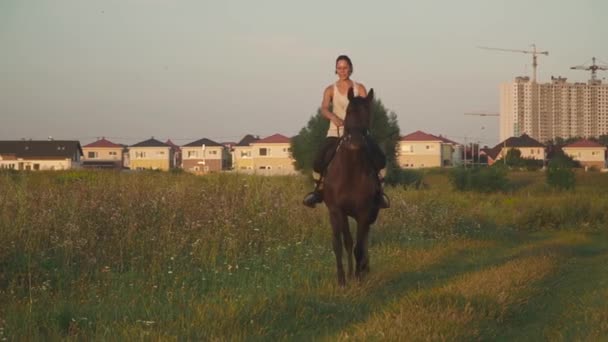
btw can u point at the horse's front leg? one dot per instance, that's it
(361, 253)
(348, 245)
(338, 220)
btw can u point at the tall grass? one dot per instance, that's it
(128, 255)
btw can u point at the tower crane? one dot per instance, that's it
(593, 68)
(534, 53)
(482, 114)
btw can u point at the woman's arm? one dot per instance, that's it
(327, 96)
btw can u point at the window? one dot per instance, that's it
(92, 155)
(192, 154)
(264, 151)
(245, 154)
(36, 166)
(213, 152)
(140, 155)
(407, 148)
(112, 153)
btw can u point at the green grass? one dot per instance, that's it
(102, 255)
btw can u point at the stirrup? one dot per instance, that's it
(312, 198)
(384, 202)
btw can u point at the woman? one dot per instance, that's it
(333, 108)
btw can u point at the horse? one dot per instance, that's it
(351, 186)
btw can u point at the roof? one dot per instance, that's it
(171, 143)
(492, 152)
(203, 141)
(446, 140)
(151, 143)
(523, 141)
(585, 143)
(103, 142)
(420, 136)
(274, 139)
(41, 148)
(248, 139)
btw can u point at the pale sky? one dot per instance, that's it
(132, 69)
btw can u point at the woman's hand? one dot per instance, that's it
(337, 121)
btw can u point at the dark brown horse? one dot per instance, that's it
(351, 187)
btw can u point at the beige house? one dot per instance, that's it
(103, 154)
(40, 154)
(151, 154)
(204, 156)
(272, 156)
(242, 154)
(587, 153)
(529, 147)
(422, 150)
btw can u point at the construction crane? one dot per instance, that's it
(534, 53)
(482, 114)
(593, 68)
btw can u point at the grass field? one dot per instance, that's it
(123, 256)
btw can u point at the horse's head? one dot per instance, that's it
(358, 119)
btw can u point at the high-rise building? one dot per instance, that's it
(546, 111)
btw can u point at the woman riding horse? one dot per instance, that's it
(335, 96)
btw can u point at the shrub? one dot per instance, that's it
(561, 178)
(481, 179)
(406, 178)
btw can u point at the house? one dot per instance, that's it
(457, 152)
(421, 150)
(588, 153)
(242, 160)
(40, 154)
(151, 154)
(272, 156)
(491, 154)
(103, 154)
(204, 155)
(529, 148)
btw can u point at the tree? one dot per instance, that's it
(513, 157)
(306, 144)
(384, 130)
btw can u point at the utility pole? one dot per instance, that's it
(489, 114)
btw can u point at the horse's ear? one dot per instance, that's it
(351, 94)
(370, 95)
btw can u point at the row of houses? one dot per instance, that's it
(270, 155)
(422, 150)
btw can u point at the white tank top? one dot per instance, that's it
(339, 104)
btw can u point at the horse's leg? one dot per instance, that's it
(348, 244)
(361, 254)
(337, 219)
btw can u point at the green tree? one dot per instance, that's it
(306, 144)
(514, 158)
(384, 130)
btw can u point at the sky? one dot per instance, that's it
(183, 70)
